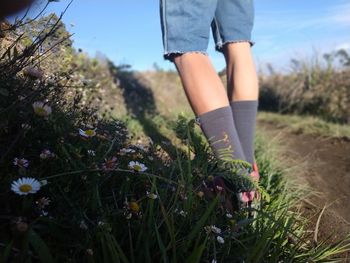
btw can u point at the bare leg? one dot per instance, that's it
(243, 91)
(242, 81)
(202, 85)
(208, 98)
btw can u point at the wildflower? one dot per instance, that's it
(110, 164)
(126, 150)
(151, 195)
(228, 215)
(87, 133)
(46, 154)
(212, 228)
(41, 109)
(136, 166)
(220, 239)
(33, 73)
(25, 185)
(183, 213)
(43, 202)
(91, 152)
(134, 207)
(23, 163)
(90, 252)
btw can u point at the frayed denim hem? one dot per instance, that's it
(172, 54)
(219, 47)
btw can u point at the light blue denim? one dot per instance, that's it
(186, 24)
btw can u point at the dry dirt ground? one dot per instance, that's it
(322, 163)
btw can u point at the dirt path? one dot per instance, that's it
(325, 166)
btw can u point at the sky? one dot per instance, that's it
(128, 31)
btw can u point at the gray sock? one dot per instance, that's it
(219, 128)
(244, 116)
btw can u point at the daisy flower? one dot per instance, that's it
(110, 164)
(136, 166)
(220, 239)
(212, 228)
(87, 133)
(25, 185)
(41, 109)
(46, 154)
(215, 229)
(23, 163)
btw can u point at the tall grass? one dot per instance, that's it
(318, 86)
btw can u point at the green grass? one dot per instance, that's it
(306, 124)
(109, 216)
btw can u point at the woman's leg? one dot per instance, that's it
(202, 85)
(208, 99)
(243, 92)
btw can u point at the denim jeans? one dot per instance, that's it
(186, 24)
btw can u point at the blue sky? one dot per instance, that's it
(128, 31)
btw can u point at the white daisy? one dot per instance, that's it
(136, 166)
(87, 133)
(220, 239)
(25, 185)
(41, 109)
(23, 163)
(215, 229)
